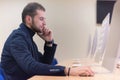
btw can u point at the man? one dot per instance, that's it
(21, 58)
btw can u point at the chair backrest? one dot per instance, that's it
(1, 77)
(54, 62)
(2, 74)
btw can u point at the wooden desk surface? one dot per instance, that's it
(107, 76)
(96, 77)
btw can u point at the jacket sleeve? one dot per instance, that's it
(23, 57)
(49, 53)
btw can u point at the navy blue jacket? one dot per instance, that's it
(22, 60)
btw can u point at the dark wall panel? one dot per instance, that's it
(103, 8)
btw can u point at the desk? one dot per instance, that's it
(109, 76)
(96, 77)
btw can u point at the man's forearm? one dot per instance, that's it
(49, 53)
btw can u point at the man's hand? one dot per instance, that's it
(79, 71)
(46, 34)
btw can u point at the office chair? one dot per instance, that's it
(2, 74)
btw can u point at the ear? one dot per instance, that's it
(28, 19)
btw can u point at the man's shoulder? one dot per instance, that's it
(18, 33)
(16, 37)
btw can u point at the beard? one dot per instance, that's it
(34, 27)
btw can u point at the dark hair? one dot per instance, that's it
(30, 9)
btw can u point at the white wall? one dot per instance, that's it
(71, 21)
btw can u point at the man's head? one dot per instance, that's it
(33, 16)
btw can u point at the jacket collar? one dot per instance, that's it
(27, 29)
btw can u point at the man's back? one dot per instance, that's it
(8, 61)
